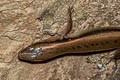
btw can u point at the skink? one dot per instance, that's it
(98, 39)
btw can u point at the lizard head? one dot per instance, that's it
(36, 53)
(29, 54)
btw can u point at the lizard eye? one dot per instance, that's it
(37, 50)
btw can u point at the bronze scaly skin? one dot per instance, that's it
(98, 39)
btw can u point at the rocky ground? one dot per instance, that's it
(23, 22)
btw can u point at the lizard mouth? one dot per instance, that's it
(27, 56)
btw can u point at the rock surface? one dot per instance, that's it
(23, 21)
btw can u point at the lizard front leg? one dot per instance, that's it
(80, 31)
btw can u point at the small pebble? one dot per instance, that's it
(100, 66)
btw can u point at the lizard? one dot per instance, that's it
(98, 39)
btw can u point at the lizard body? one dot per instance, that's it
(89, 43)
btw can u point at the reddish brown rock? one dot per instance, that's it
(20, 27)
